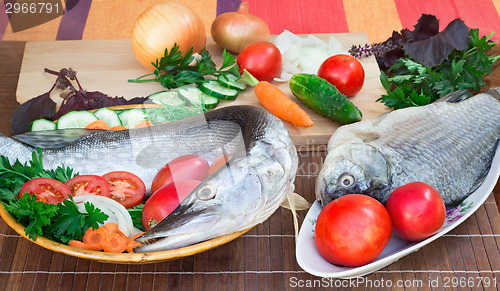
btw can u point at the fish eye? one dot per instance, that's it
(206, 192)
(270, 173)
(346, 180)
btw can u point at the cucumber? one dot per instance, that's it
(167, 98)
(214, 89)
(75, 119)
(197, 98)
(42, 124)
(231, 81)
(324, 98)
(131, 117)
(108, 115)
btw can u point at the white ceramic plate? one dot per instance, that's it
(312, 262)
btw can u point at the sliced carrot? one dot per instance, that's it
(94, 237)
(112, 228)
(118, 127)
(114, 243)
(144, 123)
(131, 243)
(279, 104)
(81, 245)
(98, 124)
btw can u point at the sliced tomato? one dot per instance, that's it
(88, 185)
(46, 190)
(126, 188)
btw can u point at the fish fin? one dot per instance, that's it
(455, 97)
(300, 203)
(495, 92)
(53, 139)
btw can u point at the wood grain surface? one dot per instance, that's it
(262, 259)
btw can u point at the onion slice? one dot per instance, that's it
(117, 213)
(304, 54)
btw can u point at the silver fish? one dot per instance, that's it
(448, 144)
(256, 180)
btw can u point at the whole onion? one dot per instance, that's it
(235, 30)
(161, 26)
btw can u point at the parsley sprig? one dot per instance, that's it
(62, 222)
(176, 69)
(409, 83)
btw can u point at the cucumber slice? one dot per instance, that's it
(214, 89)
(167, 98)
(197, 98)
(42, 124)
(108, 115)
(130, 118)
(231, 81)
(75, 119)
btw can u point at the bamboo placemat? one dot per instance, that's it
(264, 259)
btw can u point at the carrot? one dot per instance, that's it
(131, 243)
(118, 127)
(114, 243)
(279, 104)
(144, 123)
(94, 237)
(81, 245)
(98, 124)
(112, 228)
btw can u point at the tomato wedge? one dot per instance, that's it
(126, 188)
(46, 190)
(88, 185)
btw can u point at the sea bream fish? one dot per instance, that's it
(448, 144)
(256, 180)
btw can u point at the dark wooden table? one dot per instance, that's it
(262, 259)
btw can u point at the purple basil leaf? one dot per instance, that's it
(434, 50)
(38, 107)
(426, 27)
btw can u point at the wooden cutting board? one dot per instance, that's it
(106, 65)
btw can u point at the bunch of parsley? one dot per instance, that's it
(410, 83)
(176, 69)
(62, 222)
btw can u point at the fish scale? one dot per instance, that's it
(448, 145)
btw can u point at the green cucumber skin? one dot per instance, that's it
(324, 98)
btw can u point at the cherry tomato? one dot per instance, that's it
(186, 167)
(88, 185)
(165, 200)
(352, 230)
(126, 188)
(417, 211)
(217, 163)
(345, 72)
(262, 59)
(46, 190)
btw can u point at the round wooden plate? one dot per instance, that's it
(122, 258)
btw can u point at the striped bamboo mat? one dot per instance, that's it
(113, 19)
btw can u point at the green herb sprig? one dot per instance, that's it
(409, 83)
(176, 69)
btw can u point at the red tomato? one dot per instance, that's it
(219, 162)
(262, 59)
(345, 72)
(46, 190)
(126, 188)
(417, 211)
(352, 230)
(186, 167)
(165, 200)
(88, 185)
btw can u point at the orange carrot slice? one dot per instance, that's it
(94, 237)
(98, 124)
(144, 123)
(81, 245)
(279, 104)
(131, 243)
(118, 127)
(114, 243)
(112, 228)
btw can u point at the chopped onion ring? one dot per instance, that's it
(117, 213)
(304, 55)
